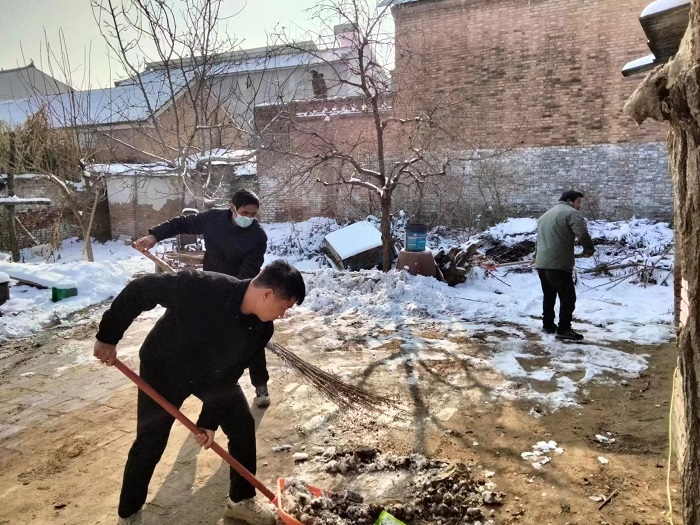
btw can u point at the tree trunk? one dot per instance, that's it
(671, 93)
(87, 250)
(685, 165)
(387, 243)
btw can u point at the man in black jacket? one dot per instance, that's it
(213, 327)
(235, 245)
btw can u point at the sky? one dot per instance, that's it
(26, 26)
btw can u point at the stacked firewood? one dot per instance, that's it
(455, 263)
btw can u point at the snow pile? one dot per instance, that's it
(30, 309)
(641, 234)
(297, 241)
(354, 239)
(499, 312)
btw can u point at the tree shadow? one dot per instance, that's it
(175, 498)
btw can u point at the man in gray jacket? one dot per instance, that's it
(557, 230)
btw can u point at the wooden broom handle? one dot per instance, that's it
(182, 418)
(159, 262)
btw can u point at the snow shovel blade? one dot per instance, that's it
(288, 519)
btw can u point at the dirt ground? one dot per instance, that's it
(66, 424)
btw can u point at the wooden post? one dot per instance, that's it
(14, 245)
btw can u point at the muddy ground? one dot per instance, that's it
(66, 424)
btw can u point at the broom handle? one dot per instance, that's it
(170, 408)
(159, 262)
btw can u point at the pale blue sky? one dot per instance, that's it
(23, 25)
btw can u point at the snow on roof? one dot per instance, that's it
(124, 103)
(247, 169)
(119, 168)
(640, 62)
(222, 156)
(659, 6)
(385, 3)
(348, 109)
(282, 61)
(354, 239)
(18, 200)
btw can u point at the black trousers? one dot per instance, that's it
(557, 283)
(153, 429)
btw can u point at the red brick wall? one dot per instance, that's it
(534, 73)
(534, 85)
(287, 191)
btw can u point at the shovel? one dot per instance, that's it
(275, 499)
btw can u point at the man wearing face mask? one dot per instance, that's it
(235, 245)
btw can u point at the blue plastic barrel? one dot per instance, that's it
(416, 237)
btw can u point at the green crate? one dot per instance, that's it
(62, 293)
(387, 519)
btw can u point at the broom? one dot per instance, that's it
(342, 394)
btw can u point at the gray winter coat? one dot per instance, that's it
(557, 230)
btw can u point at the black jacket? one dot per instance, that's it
(202, 343)
(230, 249)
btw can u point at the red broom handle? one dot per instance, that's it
(170, 408)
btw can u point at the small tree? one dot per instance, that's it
(401, 142)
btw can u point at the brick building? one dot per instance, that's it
(540, 95)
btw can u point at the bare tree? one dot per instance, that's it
(55, 154)
(176, 106)
(670, 93)
(402, 139)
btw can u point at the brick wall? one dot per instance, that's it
(139, 202)
(619, 180)
(534, 73)
(40, 219)
(289, 192)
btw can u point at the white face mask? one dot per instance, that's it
(242, 221)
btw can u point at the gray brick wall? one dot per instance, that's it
(619, 180)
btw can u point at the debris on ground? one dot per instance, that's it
(443, 494)
(454, 263)
(539, 455)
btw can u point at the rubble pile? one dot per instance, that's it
(441, 495)
(372, 460)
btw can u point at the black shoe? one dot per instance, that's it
(568, 334)
(550, 329)
(262, 396)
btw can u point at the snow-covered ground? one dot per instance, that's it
(504, 306)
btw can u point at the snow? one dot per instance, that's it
(29, 309)
(17, 200)
(127, 102)
(498, 309)
(660, 6)
(222, 156)
(332, 111)
(354, 239)
(294, 59)
(4, 278)
(33, 274)
(640, 62)
(118, 168)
